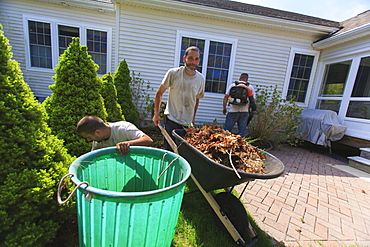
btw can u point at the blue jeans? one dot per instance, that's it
(241, 118)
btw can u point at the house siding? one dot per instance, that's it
(147, 40)
(348, 49)
(11, 17)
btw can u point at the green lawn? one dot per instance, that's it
(197, 225)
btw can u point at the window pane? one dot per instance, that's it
(186, 42)
(335, 78)
(97, 48)
(219, 57)
(362, 83)
(359, 109)
(40, 44)
(328, 105)
(65, 35)
(218, 62)
(300, 77)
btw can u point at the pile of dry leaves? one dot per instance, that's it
(226, 148)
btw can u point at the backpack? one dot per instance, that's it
(238, 93)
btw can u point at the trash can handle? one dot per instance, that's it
(164, 155)
(74, 190)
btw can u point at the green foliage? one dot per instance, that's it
(75, 94)
(32, 162)
(122, 80)
(109, 94)
(276, 118)
(141, 97)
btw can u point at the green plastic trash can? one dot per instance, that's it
(130, 200)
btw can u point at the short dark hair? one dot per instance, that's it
(191, 48)
(89, 124)
(244, 76)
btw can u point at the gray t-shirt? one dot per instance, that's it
(183, 92)
(120, 132)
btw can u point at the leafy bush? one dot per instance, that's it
(122, 80)
(75, 94)
(276, 118)
(141, 97)
(32, 162)
(109, 94)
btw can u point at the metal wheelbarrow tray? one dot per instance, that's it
(209, 175)
(212, 175)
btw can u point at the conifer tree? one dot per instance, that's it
(122, 80)
(109, 94)
(75, 94)
(32, 162)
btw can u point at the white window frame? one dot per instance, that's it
(207, 38)
(55, 41)
(346, 97)
(293, 52)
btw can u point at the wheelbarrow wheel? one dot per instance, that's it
(235, 211)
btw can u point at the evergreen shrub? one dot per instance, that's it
(109, 94)
(122, 80)
(75, 94)
(32, 162)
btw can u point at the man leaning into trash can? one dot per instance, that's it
(121, 134)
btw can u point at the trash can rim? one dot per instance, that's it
(91, 189)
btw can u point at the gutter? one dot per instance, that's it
(340, 38)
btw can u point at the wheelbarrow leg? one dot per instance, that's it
(225, 220)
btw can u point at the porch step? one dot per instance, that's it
(365, 153)
(359, 163)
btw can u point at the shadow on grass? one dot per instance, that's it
(198, 226)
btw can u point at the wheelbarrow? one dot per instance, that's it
(209, 175)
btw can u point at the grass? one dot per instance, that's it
(197, 225)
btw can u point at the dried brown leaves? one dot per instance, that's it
(226, 148)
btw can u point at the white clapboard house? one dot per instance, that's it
(304, 56)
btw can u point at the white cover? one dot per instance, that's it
(321, 126)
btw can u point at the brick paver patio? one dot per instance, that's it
(313, 204)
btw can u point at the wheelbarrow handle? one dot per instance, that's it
(169, 139)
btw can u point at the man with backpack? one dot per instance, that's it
(241, 100)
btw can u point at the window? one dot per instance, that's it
(65, 35)
(362, 83)
(40, 44)
(333, 105)
(97, 48)
(216, 57)
(335, 78)
(300, 77)
(42, 48)
(359, 109)
(359, 105)
(332, 88)
(300, 74)
(187, 42)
